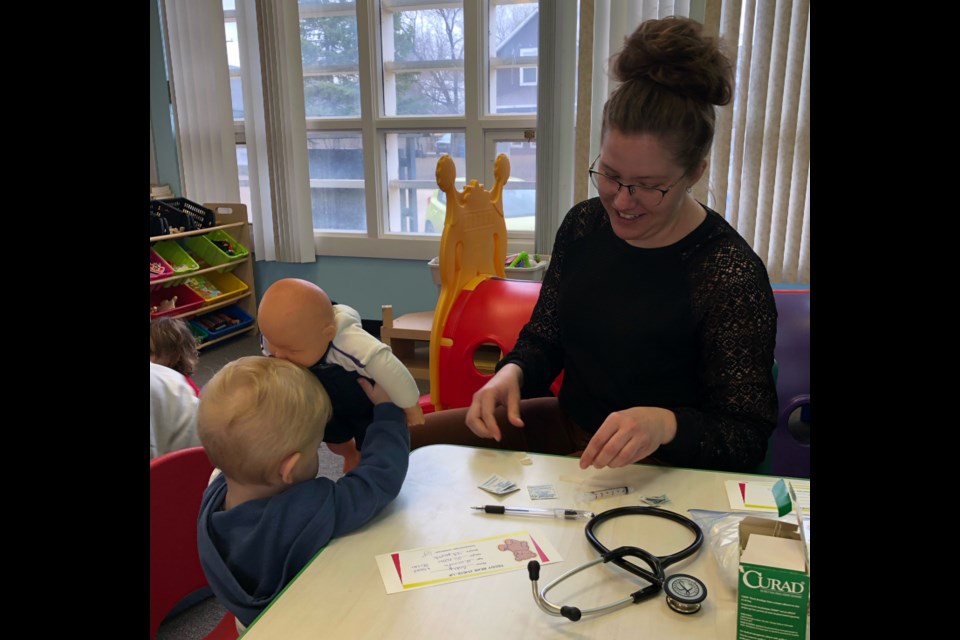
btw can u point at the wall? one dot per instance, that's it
(362, 283)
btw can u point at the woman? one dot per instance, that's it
(659, 314)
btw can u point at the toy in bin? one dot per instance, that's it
(165, 305)
(226, 247)
(159, 268)
(214, 322)
(174, 300)
(523, 260)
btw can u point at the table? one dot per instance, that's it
(340, 594)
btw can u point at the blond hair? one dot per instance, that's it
(255, 412)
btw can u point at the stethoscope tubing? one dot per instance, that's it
(540, 596)
(658, 563)
(655, 576)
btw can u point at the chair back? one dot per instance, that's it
(789, 445)
(488, 311)
(473, 243)
(177, 482)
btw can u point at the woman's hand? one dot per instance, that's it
(628, 436)
(501, 389)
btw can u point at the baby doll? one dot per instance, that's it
(298, 322)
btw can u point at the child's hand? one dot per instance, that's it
(376, 393)
(414, 415)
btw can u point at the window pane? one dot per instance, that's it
(243, 172)
(328, 49)
(414, 203)
(336, 181)
(513, 63)
(233, 59)
(423, 62)
(520, 192)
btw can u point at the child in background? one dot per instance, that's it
(261, 421)
(173, 412)
(172, 345)
(299, 323)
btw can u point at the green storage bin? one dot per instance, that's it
(174, 254)
(204, 247)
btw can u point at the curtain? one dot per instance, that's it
(275, 121)
(201, 100)
(759, 167)
(276, 130)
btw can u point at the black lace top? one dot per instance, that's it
(689, 327)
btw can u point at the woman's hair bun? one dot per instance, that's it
(674, 53)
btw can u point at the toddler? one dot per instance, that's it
(266, 513)
(172, 345)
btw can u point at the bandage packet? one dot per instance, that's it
(542, 491)
(498, 486)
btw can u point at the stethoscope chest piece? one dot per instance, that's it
(684, 592)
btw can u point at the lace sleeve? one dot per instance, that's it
(738, 324)
(538, 350)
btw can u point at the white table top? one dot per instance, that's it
(340, 594)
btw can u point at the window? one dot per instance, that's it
(528, 75)
(236, 98)
(389, 86)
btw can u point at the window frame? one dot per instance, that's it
(524, 52)
(373, 124)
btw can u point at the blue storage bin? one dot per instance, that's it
(234, 319)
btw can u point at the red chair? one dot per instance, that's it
(177, 481)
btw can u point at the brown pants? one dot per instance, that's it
(546, 430)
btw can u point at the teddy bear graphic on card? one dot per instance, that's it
(520, 548)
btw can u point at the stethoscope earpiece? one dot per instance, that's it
(684, 593)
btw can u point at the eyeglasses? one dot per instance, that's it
(645, 195)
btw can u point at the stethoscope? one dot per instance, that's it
(684, 592)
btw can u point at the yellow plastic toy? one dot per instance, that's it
(473, 246)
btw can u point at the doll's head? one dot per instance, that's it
(296, 321)
(172, 344)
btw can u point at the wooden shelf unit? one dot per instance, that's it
(231, 218)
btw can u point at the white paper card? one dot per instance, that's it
(442, 564)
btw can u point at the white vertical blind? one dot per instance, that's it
(275, 117)
(255, 134)
(285, 131)
(556, 95)
(201, 99)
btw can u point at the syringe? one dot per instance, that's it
(589, 496)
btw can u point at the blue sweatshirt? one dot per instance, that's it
(250, 552)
